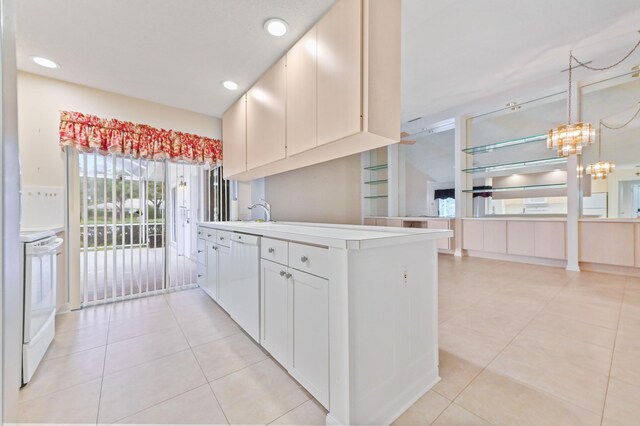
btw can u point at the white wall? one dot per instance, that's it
(40, 101)
(327, 192)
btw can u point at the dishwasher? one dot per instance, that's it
(244, 283)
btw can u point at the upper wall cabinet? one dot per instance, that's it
(339, 73)
(340, 87)
(302, 128)
(234, 132)
(266, 117)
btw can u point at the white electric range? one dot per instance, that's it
(38, 267)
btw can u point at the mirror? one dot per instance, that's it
(429, 173)
(613, 102)
(510, 170)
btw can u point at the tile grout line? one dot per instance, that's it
(532, 386)
(613, 352)
(198, 362)
(104, 365)
(503, 349)
(166, 356)
(297, 406)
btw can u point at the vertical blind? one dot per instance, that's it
(138, 224)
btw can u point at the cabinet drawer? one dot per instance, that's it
(224, 238)
(207, 234)
(244, 238)
(201, 251)
(202, 276)
(314, 260)
(274, 250)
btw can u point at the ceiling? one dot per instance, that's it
(171, 52)
(462, 56)
(458, 56)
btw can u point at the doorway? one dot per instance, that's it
(138, 222)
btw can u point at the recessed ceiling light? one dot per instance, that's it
(276, 27)
(230, 85)
(44, 62)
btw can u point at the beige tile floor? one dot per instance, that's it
(519, 345)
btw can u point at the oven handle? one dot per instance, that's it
(51, 246)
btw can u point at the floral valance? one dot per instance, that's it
(89, 133)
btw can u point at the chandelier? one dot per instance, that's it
(602, 169)
(568, 139)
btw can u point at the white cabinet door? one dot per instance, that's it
(339, 41)
(245, 285)
(211, 280)
(224, 278)
(274, 297)
(309, 333)
(266, 126)
(234, 136)
(302, 114)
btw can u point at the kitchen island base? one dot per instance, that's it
(353, 319)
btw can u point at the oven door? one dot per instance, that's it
(39, 284)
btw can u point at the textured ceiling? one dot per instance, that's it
(466, 56)
(458, 56)
(174, 52)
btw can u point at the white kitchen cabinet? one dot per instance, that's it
(274, 295)
(244, 277)
(266, 128)
(309, 333)
(234, 135)
(302, 112)
(339, 72)
(521, 238)
(342, 93)
(211, 281)
(225, 295)
(326, 317)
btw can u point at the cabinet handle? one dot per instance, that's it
(282, 273)
(214, 247)
(200, 275)
(271, 250)
(208, 235)
(221, 238)
(304, 259)
(288, 275)
(200, 251)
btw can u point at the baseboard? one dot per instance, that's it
(557, 263)
(416, 397)
(610, 269)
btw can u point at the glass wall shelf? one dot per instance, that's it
(378, 167)
(516, 188)
(516, 165)
(377, 182)
(504, 144)
(376, 196)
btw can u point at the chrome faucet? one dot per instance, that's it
(265, 206)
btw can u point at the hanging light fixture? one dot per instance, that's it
(602, 169)
(569, 139)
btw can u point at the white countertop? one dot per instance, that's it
(352, 237)
(522, 218)
(613, 219)
(411, 218)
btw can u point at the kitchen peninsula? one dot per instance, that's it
(349, 311)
